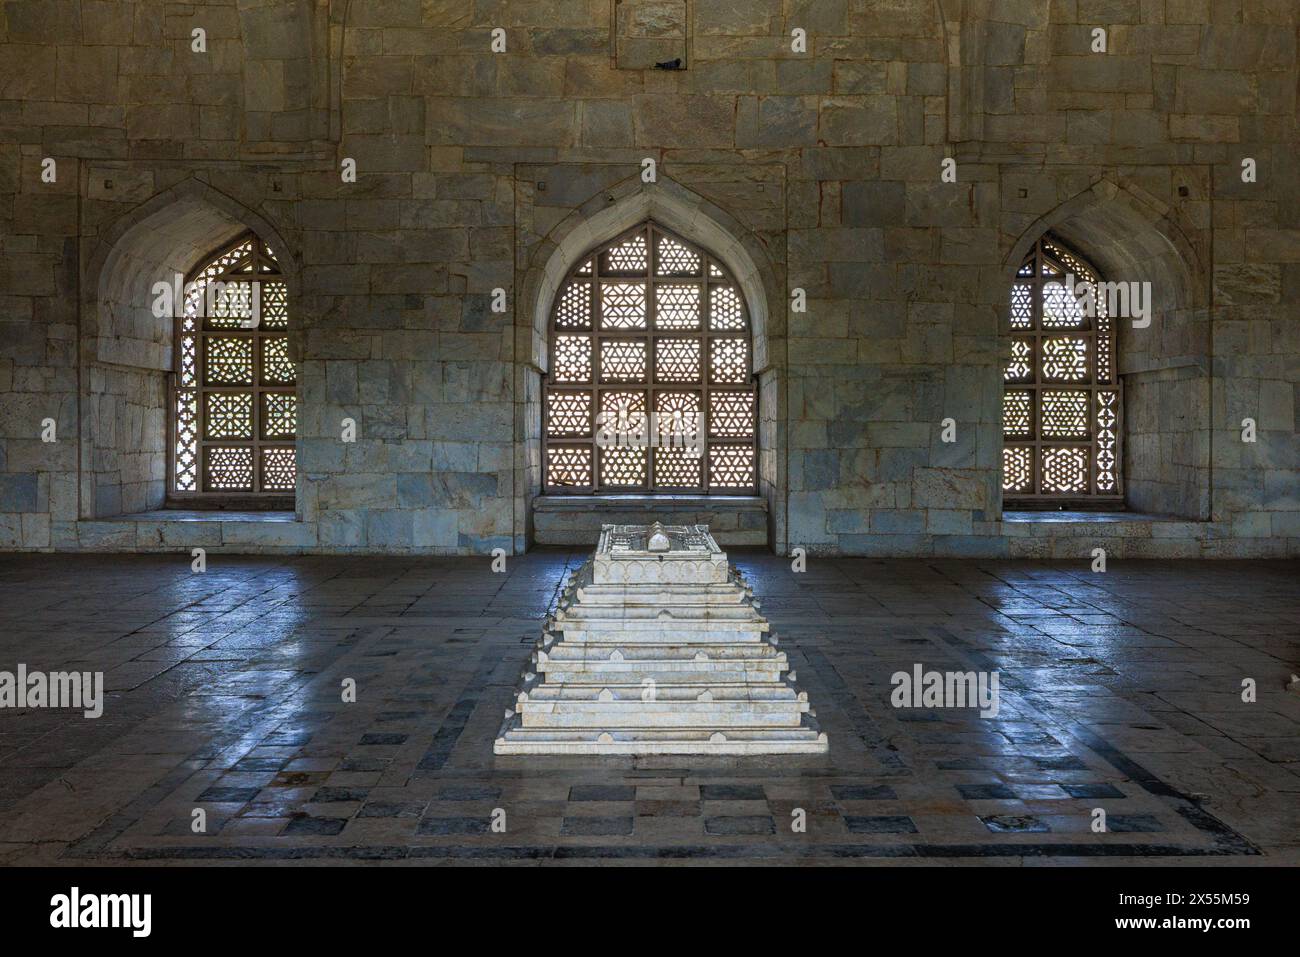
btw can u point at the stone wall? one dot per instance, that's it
(822, 168)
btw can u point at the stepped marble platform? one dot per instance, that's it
(658, 646)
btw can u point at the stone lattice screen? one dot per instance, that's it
(650, 386)
(235, 406)
(1061, 398)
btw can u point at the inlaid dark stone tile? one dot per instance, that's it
(1014, 824)
(732, 792)
(184, 827)
(740, 824)
(364, 764)
(602, 792)
(871, 792)
(288, 738)
(387, 716)
(881, 824)
(385, 737)
(392, 809)
(986, 792)
(1092, 790)
(1065, 762)
(454, 825)
(596, 826)
(468, 792)
(1133, 823)
(1105, 702)
(228, 795)
(259, 764)
(327, 826)
(324, 795)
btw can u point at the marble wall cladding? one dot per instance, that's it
(820, 168)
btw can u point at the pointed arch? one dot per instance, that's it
(1164, 363)
(651, 387)
(612, 212)
(743, 252)
(127, 350)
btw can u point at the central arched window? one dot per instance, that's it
(650, 386)
(235, 402)
(1061, 394)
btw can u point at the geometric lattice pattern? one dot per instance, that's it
(568, 466)
(571, 359)
(623, 360)
(234, 414)
(1019, 367)
(228, 415)
(677, 415)
(731, 414)
(1017, 412)
(649, 325)
(677, 306)
(1017, 469)
(677, 360)
(1065, 358)
(568, 413)
(228, 360)
(674, 258)
(275, 305)
(728, 360)
(1022, 306)
(628, 256)
(731, 466)
(1065, 469)
(1061, 404)
(1107, 440)
(623, 466)
(229, 469)
(622, 305)
(277, 367)
(621, 411)
(279, 469)
(1065, 414)
(573, 307)
(678, 468)
(725, 311)
(279, 415)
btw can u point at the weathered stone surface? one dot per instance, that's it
(822, 167)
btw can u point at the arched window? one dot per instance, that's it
(650, 388)
(1061, 395)
(235, 408)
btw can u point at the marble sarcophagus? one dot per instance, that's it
(658, 647)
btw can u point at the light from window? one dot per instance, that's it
(650, 388)
(1061, 393)
(235, 403)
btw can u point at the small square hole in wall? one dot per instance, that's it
(650, 34)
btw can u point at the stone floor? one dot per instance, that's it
(1119, 690)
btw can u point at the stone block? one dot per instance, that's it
(435, 527)
(696, 122)
(19, 492)
(859, 121)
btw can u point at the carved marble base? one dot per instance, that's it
(658, 647)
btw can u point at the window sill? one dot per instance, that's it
(196, 515)
(651, 503)
(1045, 517)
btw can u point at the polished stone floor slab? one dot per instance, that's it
(1119, 691)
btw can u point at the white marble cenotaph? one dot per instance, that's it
(658, 647)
